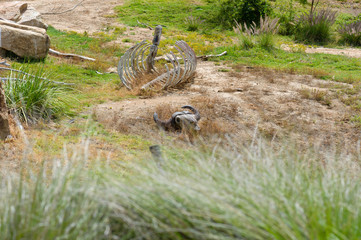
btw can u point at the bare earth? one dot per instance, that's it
(237, 101)
(90, 16)
(241, 102)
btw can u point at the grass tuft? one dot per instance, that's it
(315, 27)
(32, 97)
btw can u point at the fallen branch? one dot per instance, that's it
(205, 57)
(149, 27)
(4, 63)
(65, 11)
(28, 74)
(69, 55)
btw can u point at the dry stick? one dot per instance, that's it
(204, 57)
(149, 27)
(25, 73)
(4, 63)
(69, 55)
(66, 11)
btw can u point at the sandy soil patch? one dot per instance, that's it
(90, 15)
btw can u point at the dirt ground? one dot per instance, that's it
(234, 101)
(90, 16)
(239, 102)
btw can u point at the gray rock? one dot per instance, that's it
(31, 17)
(12, 10)
(22, 13)
(24, 41)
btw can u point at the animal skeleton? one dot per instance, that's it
(180, 120)
(139, 60)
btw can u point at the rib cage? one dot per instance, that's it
(132, 66)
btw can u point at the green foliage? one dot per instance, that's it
(85, 45)
(247, 41)
(171, 14)
(325, 66)
(315, 27)
(266, 41)
(242, 11)
(350, 31)
(193, 23)
(286, 11)
(261, 35)
(33, 97)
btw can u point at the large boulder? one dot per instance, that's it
(24, 41)
(21, 13)
(4, 116)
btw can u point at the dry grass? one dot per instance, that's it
(215, 113)
(165, 111)
(316, 94)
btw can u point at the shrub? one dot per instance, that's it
(315, 27)
(244, 11)
(266, 25)
(33, 97)
(247, 41)
(266, 29)
(285, 10)
(193, 23)
(351, 33)
(266, 41)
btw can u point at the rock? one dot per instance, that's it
(21, 13)
(4, 116)
(12, 10)
(24, 41)
(31, 17)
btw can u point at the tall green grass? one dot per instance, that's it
(351, 33)
(315, 26)
(252, 193)
(32, 97)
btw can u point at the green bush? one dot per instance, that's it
(193, 23)
(261, 35)
(285, 10)
(246, 41)
(350, 31)
(266, 41)
(242, 11)
(315, 27)
(32, 97)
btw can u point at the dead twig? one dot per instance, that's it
(205, 57)
(69, 55)
(65, 11)
(144, 24)
(4, 63)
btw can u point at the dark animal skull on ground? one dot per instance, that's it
(180, 120)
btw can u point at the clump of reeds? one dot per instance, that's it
(351, 33)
